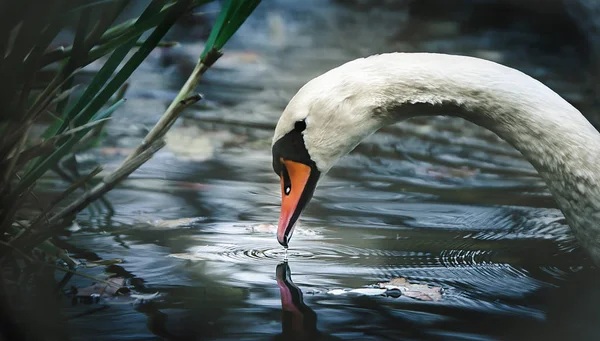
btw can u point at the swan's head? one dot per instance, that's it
(324, 121)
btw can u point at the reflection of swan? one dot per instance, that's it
(298, 321)
(334, 112)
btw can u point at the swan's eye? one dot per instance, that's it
(300, 126)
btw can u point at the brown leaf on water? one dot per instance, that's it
(425, 294)
(421, 292)
(115, 286)
(400, 281)
(102, 262)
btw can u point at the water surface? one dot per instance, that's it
(436, 200)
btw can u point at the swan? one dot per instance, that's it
(332, 113)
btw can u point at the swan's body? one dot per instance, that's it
(343, 106)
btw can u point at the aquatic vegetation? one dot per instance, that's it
(46, 118)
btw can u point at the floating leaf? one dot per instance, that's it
(115, 286)
(419, 291)
(396, 287)
(145, 297)
(102, 262)
(93, 99)
(45, 164)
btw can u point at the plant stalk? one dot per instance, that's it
(181, 101)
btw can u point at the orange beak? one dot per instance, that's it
(297, 187)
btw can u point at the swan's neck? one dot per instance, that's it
(550, 133)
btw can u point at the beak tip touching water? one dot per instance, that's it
(283, 236)
(283, 241)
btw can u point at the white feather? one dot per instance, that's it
(350, 102)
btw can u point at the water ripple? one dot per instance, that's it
(322, 251)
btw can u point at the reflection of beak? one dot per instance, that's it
(299, 322)
(297, 187)
(291, 295)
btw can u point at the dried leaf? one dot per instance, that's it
(102, 262)
(116, 286)
(400, 281)
(145, 297)
(418, 291)
(432, 296)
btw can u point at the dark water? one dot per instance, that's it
(438, 201)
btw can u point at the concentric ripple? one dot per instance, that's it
(236, 254)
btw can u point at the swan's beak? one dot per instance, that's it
(298, 182)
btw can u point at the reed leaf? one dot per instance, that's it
(23, 47)
(45, 164)
(130, 66)
(230, 18)
(101, 78)
(49, 145)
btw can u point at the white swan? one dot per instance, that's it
(334, 112)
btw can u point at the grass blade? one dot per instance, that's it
(49, 145)
(131, 65)
(232, 16)
(43, 166)
(101, 77)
